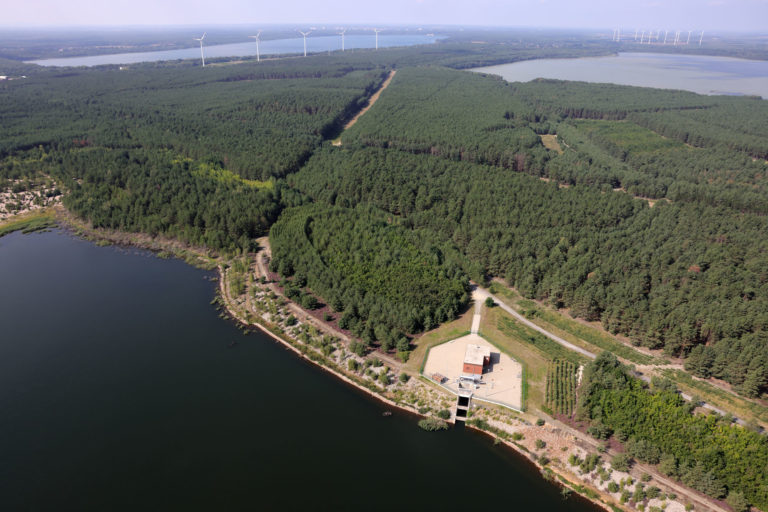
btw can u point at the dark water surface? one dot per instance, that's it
(118, 392)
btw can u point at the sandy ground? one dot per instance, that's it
(12, 204)
(503, 383)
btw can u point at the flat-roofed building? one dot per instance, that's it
(476, 359)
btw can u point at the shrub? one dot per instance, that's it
(540, 444)
(590, 463)
(444, 414)
(357, 348)
(737, 501)
(489, 303)
(613, 487)
(403, 378)
(433, 424)
(352, 365)
(291, 320)
(599, 431)
(540, 422)
(621, 462)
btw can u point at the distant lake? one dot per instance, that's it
(122, 389)
(268, 47)
(696, 73)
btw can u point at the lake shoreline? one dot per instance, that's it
(208, 260)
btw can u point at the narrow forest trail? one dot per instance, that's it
(374, 98)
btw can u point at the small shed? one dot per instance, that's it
(476, 359)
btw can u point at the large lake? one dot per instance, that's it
(700, 74)
(119, 391)
(268, 47)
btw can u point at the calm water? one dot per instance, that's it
(273, 47)
(700, 74)
(118, 392)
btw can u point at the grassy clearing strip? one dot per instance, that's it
(711, 394)
(591, 336)
(550, 142)
(554, 321)
(29, 223)
(546, 346)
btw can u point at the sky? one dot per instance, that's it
(742, 15)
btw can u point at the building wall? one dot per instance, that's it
(473, 368)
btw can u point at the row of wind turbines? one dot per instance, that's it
(257, 38)
(655, 37)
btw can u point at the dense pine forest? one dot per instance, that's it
(449, 170)
(386, 280)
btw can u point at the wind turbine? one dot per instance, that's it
(202, 57)
(257, 37)
(305, 34)
(377, 30)
(618, 35)
(635, 34)
(701, 38)
(342, 38)
(689, 37)
(642, 36)
(665, 36)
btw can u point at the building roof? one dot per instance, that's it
(476, 354)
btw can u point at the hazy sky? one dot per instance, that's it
(683, 14)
